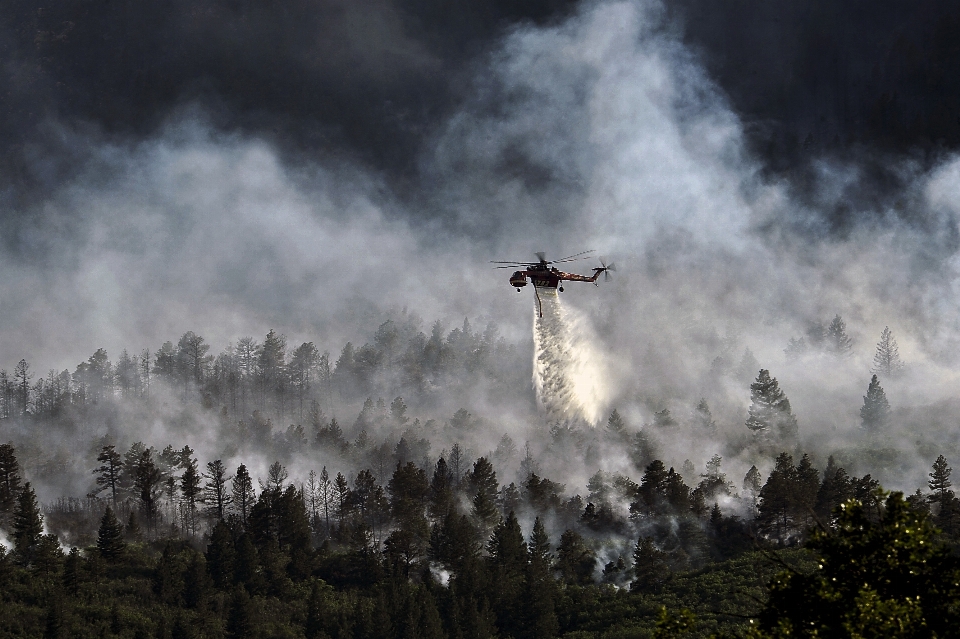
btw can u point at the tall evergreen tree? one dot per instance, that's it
(147, 483)
(27, 525)
(615, 424)
(769, 412)
(703, 418)
(243, 493)
(109, 472)
(441, 491)
(836, 337)
(21, 380)
(9, 482)
(777, 499)
(239, 615)
(875, 412)
(216, 494)
(539, 591)
(575, 560)
(190, 491)
(886, 361)
(110, 542)
(483, 482)
(650, 568)
(940, 482)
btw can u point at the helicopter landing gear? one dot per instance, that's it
(561, 289)
(518, 290)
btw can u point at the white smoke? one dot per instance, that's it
(568, 375)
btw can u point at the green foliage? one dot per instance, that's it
(110, 542)
(875, 412)
(883, 578)
(27, 525)
(770, 415)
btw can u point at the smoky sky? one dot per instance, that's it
(374, 81)
(319, 167)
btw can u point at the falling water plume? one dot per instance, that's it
(566, 372)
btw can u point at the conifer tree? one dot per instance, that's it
(836, 489)
(483, 481)
(836, 337)
(769, 412)
(190, 490)
(109, 473)
(132, 531)
(27, 525)
(9, 481)
(147, 485)
(441, 491)
(575, 560)
(940, 482)
(540, 618)
(650, 567)
(243, 493)
(110, 542)
(752, 482)
(886, 361)
(703, 419)
(239, 616)
(71, 572)
(615, 424)
(875, 412)
(215, 492)
(776, 507)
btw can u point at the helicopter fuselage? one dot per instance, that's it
(544, 276)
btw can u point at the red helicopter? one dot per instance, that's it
(543, 275)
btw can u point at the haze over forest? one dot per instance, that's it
(266, 234)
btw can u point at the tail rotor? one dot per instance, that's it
(607, 268)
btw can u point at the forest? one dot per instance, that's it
(175, 503)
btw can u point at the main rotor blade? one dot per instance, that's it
(577, 255)
(510, 262)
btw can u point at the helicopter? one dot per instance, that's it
(543, 275)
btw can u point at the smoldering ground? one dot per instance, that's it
(600, 130)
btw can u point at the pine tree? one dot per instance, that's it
(886, 361)
(21, 378)
(243, 493)
(540, 617)
(483, 481)
(575, 560)
(71, 572)
(147, 484)
(132, 530)
(190, 489)
(9, 482)
(875, 412)
(836, 337)
(940, 482)
(616, 425)
(27, 525)
(770, 412)
(834, 491)
(777, 499)
(110, 542)
(441, 491)
(650, 567)
(215, 492)
(703, 419)
(239, 617)
(109, 473)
